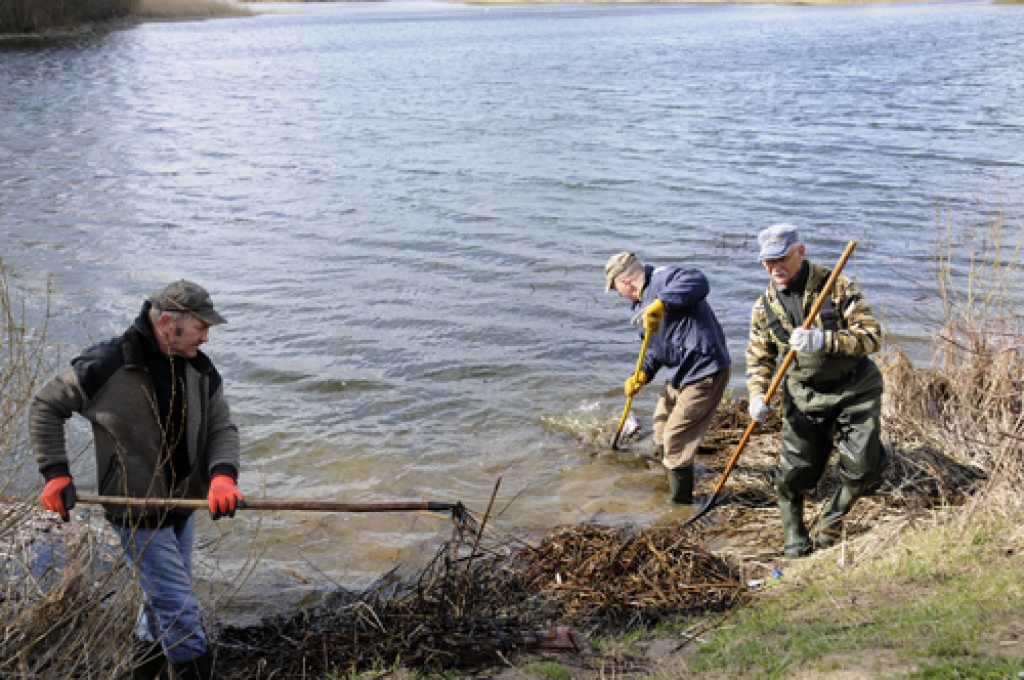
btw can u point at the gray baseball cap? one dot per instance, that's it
(185, 296)
(616, 264)
(776, 240)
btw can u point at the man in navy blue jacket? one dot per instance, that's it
(687, 340)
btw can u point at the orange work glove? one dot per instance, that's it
(653, 315)
(635, 382)
(59, 496)
(224, 497)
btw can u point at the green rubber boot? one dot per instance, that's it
(680, 485)
(150, 662)
(792, 512)
(830, 526)
(199, 668)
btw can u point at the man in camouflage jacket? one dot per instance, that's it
(832, 392)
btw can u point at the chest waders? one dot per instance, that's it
(827, 398)
(787, 361)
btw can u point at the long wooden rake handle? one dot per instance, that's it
(629, 399)
(776, 381)
(258, 504)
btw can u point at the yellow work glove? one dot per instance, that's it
(653, 315)
(635, 382)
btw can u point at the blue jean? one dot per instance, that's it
(162, 558)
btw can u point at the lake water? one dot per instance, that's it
(404, 210)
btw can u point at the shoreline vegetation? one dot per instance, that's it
(60, 18)
(925, 582)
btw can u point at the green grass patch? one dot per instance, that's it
(985, 669)
(551, 671)
(942, 603)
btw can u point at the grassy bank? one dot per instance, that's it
(946, 601)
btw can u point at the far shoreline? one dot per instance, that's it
(780, 3)
(158, 11)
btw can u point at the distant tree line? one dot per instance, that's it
(20, 16)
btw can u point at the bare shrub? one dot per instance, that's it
(21, 364)
(66, 603)
(967, 403)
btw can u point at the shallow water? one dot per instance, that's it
(404, 210)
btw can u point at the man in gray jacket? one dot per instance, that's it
(161, 429)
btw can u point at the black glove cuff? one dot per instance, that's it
(56, 470)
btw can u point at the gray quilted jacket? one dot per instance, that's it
(108, 385)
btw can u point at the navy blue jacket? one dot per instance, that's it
(690, 342)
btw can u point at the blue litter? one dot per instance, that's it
(777, 573)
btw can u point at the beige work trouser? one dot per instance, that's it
(682, 417)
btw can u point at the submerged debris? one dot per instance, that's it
(466, 611)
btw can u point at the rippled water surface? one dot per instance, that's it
(404, 211)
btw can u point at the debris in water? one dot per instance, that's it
(474, 604)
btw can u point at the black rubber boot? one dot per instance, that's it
(830, 526)
(149, 662)
(680, 484)
(792, 511)
(199, 668)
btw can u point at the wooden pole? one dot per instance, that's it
(271, 505)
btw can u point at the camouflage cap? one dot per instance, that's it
(617, 264)
(776, 240)
(185, 296)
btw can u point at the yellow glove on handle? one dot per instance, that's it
(635, 382)
(653, 315)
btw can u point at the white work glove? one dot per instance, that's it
(758, 409)
(809, 340)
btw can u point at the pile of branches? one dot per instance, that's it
(472, 606)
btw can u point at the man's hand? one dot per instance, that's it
(635, 382)
(758, 409)
(59, 496)
(224, 497)
(809, 340)
(653, 315)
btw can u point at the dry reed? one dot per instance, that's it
(967, 404)
(188, 9)
(66, 606)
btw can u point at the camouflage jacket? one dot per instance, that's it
(859, 332)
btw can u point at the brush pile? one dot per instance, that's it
(471, 609)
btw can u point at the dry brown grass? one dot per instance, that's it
(188, 9)
(967, 404)
(54, 622)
